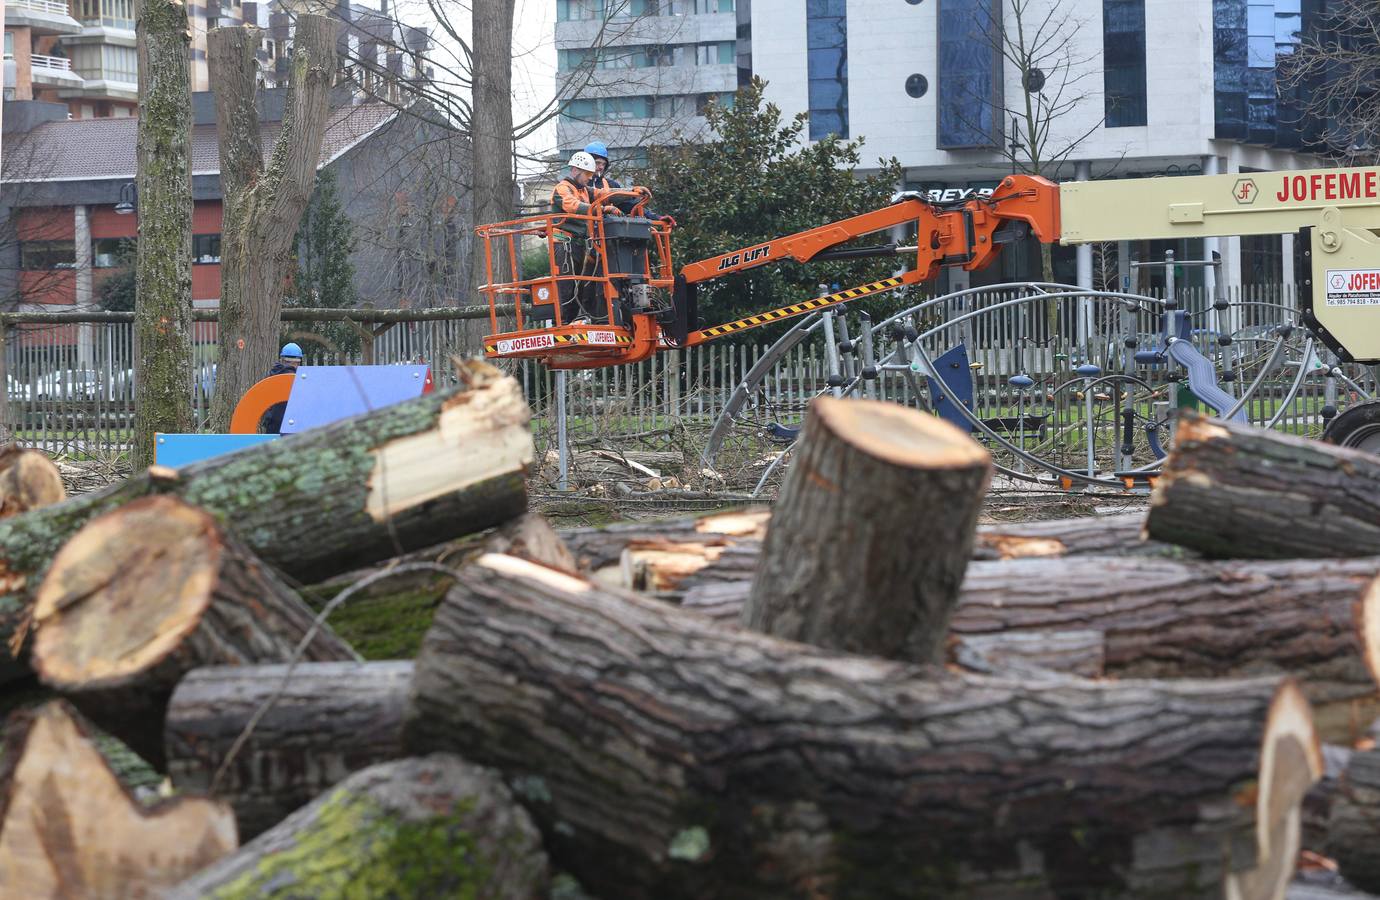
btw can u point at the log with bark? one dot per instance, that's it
(906, 488)
(1318, 620)
(324, 721)
(28, 480)
(665, 756)
(1353, 828)
(414, 829)
(69, 828)
(1237, 491)
(144, 594)
(323, 501)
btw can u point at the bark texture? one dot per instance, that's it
(416, 829)
(69, 828)
(163, 265)
(1232, 490)
(328, 720)
(1353, 829)
(263, 205)
(322, 502)
(148, 592)
(908, 488)
(664, 756)
(28, 480)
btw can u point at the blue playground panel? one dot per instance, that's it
(953, 368)
(325, 394)
(177, 450)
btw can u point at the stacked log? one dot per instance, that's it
(28, 480)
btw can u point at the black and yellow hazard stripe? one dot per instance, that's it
(620, 337)
(795, 309)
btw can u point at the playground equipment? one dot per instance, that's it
(314, 396)
(1126, 397)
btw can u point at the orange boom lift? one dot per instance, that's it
(647, 306)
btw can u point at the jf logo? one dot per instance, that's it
(1337, 282)
(1244, 191)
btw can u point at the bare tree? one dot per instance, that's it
(1335, 70)
(262, 204)
(163, 269)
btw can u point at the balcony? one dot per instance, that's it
(53, 71)
(43, 16)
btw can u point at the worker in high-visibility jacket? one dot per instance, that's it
(574, 196)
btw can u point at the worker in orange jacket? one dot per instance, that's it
(574, 196)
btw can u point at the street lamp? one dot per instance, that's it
(129, 198)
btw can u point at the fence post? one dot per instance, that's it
(562, 446)
(6, 431)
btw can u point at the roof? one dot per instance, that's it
(101, 149)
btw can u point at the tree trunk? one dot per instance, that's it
(163, 268)
(599, 548)
(1037, 654)
(321, 502)
(491, 136)
(664, 756)
(69, 828)
(329, 720)
(146, 593)
(1164, 618)
(262, 206)
(28, 480)
(415, 829)
(1234, 490)
(1353, 830)
(908, 488)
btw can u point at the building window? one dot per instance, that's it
(579, 10)
(627, 107)
(47, 254)
(9, 45)
(826, 41)
(703, 101)
(580, 109)
(1123, 53)
(106, 253)
(968, 82)
(205, 249)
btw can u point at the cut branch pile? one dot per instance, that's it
(884, 701)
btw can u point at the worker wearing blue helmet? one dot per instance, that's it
(289, 358)
(600, 152)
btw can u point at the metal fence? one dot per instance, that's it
(76, 396)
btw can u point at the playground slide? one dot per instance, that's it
(1202, 377)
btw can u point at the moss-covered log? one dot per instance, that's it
(1235, 491)
(847, 562)
(325, 721)
(69, 828)
(28, 480)
(415, 829)
(665, 756)
(144, 594)
(1318, 620)
(322, 502)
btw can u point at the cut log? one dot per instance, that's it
(69, 828)
(323, 501)
(907, 488)
(28, 480)
(1318, 803)
(415, 829)
(1353, 829)
(673, 558)
(326, 721)
(1231, 490)
(1037, 654)
(665, 756)
(144, 594)
(1318, 620)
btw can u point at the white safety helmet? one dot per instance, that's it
(582, 160)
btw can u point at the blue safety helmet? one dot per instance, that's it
(597, 148)
(291, 351)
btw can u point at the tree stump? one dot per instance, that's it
(322, 502)
(1237, 491)
(69, 828)
(148, 592)
(28, 480)
(905, 488)
(415, 829)
(665, 756)
(330, 719)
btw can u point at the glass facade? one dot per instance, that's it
(969, 79)
(826, 36)
(1249, 37)
(1123, 74)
